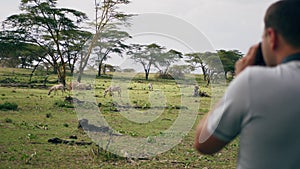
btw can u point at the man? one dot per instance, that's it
(262, 105)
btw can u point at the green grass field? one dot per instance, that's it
(25, 131)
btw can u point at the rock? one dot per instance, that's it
(73, 137)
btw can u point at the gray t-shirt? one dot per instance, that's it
(262, 106)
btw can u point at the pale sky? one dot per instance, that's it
(227, 24)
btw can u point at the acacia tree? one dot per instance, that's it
(9, 56)
(146, 55)
(197, 60)
(111, 42)
(42, 23)
(73, 46)
(215, 67)
(28, 53)
(228, 59)
(15, 53)
(208, 62)
(106, 12)
(165, 60)
(178, 71)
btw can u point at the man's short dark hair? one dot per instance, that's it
(284, 17)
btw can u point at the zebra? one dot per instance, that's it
(57, 87)
(112, 89)
(150, 86)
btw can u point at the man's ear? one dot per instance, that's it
(272, 38)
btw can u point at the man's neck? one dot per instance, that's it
(285, 53)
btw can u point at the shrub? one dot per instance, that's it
(179, 71)
(48, 115)
(60, 103)
(164, 76)
(8, 120)
(8, 106)
(8, 80)
(129, 70)
(140, 104)
(31, 136)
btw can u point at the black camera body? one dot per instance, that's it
(259, 59)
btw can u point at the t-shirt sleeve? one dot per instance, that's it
(225, 121)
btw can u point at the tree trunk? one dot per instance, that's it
(62, 78)
(204, 73)
(23, 62)
(64, 72)
(104, 69)
(99, 69)
(146, 74)
(54, 70)
(72, 66)
(72, 70)
(208, 81)
(35, 67)
(79, 75)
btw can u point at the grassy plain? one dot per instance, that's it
(24, 132)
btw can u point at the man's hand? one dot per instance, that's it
(247, 60)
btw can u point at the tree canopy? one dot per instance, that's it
(110, 42)
(212, 63)
(45, 25)
(228, 59)
(106, 13)
(43, 32)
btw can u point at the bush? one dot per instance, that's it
(178, 71)
(8, 120)
(129, 70)
(8, 80)
(164, 76)
(60, 103)
(140, 104)
(8, 106)
(48, 115)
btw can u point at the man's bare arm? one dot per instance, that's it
(206, 143)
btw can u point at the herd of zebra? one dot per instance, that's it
(82, 86)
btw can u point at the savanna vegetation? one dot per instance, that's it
(30, 118)
(45, 45)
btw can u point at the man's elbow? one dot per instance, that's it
(201, 148)
(210, 146)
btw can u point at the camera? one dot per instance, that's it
(259, 59)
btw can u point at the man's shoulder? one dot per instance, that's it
(253, 76)
(261, 72)
(260, 69)
(264, 77)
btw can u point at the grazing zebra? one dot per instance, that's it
(112, 89)
(79, 86)
(196, 91)
(150, 86)
(57, 87)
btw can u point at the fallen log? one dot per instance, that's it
(23, 85)
(69, 142)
